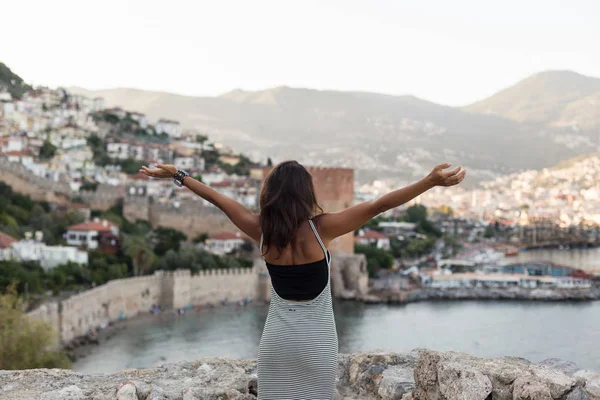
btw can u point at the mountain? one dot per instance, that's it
(12, 82)
(553, 98)
(381, 136)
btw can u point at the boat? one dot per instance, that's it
(511, 251)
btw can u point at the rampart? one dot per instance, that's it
(126, 298)
(188, 216)
(24, 181)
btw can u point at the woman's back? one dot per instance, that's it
(304, 248)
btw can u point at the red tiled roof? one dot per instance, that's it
(78, 205)
(6, 240)
(372, 235)
(91, 226)
(17, 154)
(225, 236)
(221, 184)
(138, 176)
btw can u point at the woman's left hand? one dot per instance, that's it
(161, 171)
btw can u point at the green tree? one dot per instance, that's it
(25, 343)
(166, 239)
(269, 162)
(142, 257)
(489, 232)
(200, 238)
(376, 258)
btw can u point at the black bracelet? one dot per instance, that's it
(179, 177)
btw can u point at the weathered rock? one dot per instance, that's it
(441, 376)
(127, 391)
(566, 367)
(420, 375)
(592, 382)
(457, 380)
(530, 388)
(67, 393)
(578, 394)
(386, 375)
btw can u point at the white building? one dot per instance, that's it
(184, 162)
(88, 233)
(48, 256)
(6, 243)
(5, 96)
(118, 150)
(140, 118)
(19, 157)
(11, 143)
(97, 104)
(170, 127)
(380, 240)
(224, 243)
(481, 280)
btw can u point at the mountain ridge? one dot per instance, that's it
(380, 135)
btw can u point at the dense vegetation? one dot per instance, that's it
(25, 343)
(12, 82)
(143, 249)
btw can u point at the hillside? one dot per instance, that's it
(381, 136)
(554, 98)
(12, 82)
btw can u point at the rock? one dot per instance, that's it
(397, 381)
(68, 393)
(420, 375)
(557, 382)
(143, 389)
(578, 394)
(127, 391)
(158, 393)
(459, 381)
(530, 388)
(566, 367)
(592, 381)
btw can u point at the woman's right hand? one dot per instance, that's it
(439, 177)
(161, 171)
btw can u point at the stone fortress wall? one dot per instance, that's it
(25, 182)
(126, 298)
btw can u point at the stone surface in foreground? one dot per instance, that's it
(419, 375)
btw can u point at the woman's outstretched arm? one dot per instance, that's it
(332, 225)
(244, 219)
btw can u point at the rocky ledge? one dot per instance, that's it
(430, 294)
(419, 375)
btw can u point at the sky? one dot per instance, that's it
(452, 52)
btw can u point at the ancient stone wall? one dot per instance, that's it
(217, 285)
(188, 216)
(104, 197)
(126, 298)
(23, 181)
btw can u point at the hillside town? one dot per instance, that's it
(94, 153)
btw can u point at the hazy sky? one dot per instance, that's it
(448, 51)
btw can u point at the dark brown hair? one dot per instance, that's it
(287, 200)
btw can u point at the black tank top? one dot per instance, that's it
(302, 281)
(299, 282)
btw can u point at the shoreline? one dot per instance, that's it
(82, 346)
(484, 294)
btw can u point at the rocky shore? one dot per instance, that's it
(431, 294)
(419, 375)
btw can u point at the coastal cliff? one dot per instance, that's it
(419, 375)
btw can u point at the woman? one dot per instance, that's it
(297, 356)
